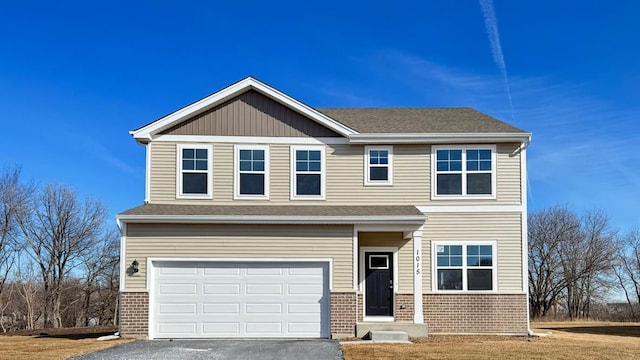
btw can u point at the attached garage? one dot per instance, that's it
(239, 299)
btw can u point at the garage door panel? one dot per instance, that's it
(306, 271)
(303, 328)
(220, 308)
(264, 308)
(220, 289)
(169, 271)
(222, 271)
(305, 289)
(263, 271)
(304, 308)
(263, 328)
(263, 289)
(181, 328)
(170, 288)
(177, 308)
(218, 329)
(233, 299)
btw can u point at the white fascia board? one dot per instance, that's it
(437, 138)
(273, 219)
(146, 133)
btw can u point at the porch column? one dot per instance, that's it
(418, 317)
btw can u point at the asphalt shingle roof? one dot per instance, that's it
(272, 210)
(418, 120)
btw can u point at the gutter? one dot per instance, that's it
(437, 138)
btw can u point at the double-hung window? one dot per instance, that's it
(251, 176)
(464, 266)
(308, 172)
(464, 171)
(194, 171)
(378, 162)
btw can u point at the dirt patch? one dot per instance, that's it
(35, 348)
(595, 328)
(610, 342)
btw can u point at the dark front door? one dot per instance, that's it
(378, 283)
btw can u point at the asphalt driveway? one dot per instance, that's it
(220, 350)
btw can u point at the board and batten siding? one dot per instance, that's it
(240, 241)
(344, 178)
(504, 228)
(250, 114)
(405, 250)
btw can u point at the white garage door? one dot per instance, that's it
(231, 299)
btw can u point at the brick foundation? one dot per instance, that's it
(404, 308)
(475, 313)
(343, 314)
(134, 314)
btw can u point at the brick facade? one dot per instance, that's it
(134, 314)
(343, 314)
(404, 308)
(475, 313)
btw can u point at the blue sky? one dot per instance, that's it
(75, 77)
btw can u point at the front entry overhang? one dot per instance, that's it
(407, 216)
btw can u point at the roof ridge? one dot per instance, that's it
(398, 107)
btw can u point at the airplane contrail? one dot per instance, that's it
(491, 24)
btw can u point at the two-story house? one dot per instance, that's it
(265, 217)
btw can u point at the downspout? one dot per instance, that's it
(121, 228)
(525, 231)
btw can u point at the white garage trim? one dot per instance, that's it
(151, 270)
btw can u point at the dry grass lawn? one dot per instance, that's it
(55, 344)
(585, 340)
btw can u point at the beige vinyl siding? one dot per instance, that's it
(344, 178)
(508, 174)
(405, 249)
(163, 171)
(250, 114)
(504, 228)
(240, 241)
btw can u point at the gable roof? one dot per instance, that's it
(146, 133)
(359, 125)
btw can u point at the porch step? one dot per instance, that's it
(388, 336)
(411, 329)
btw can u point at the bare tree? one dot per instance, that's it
(550, 230)
(13, 203)
(627, 270)
(586, 261)
(28, 289)
(100, 269)
(57, 231)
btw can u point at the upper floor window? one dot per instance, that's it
(465, 266)
(194, 171)
(378, 165)
(251, 177)
(464, 171)
(308, 172)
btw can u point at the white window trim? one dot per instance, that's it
(464, 243)
(236, 172)
(367, 167)
(323, 173)
(434, 172)
(179, 193)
